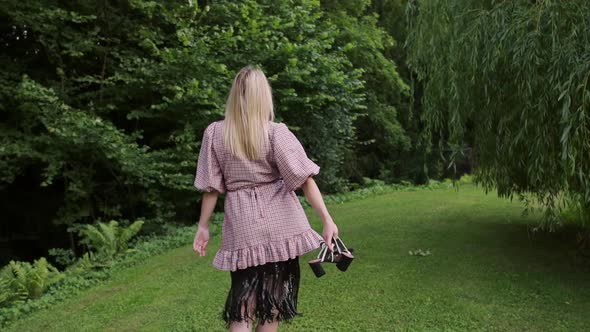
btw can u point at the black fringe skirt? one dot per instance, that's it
(263, 293)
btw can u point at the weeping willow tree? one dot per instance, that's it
(509, 81)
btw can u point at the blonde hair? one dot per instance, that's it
(248, 111)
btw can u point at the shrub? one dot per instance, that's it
(65, 257)
(20, 281)
(108, 239)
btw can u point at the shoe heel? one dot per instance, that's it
(317, 269)
(315, 264)
(344, 263)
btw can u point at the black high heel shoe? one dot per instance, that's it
(343, 258)
(316, 263)
(345, 255)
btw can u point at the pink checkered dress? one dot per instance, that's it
(264, 220)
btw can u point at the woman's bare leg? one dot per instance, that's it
(247, 324)
(268, 327)
(244, 326)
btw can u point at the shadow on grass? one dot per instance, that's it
(509, 245)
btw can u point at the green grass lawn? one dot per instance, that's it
(485, 273)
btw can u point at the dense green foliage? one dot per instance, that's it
(509, 81)
(103, 104)
(380, 135)
(480, 276)
(20, 281)
(109, 240)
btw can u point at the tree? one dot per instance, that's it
(382, 139)
(511, 78)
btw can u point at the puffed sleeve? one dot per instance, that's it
(292, 161)
(209, 176)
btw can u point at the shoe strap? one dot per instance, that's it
(340, 242)
(322, 252)
(337, 245)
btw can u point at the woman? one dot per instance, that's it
(258, 163)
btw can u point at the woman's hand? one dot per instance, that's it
(330, 232)
(201, 240)
(314, 197)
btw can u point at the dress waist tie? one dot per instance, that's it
(255, 193)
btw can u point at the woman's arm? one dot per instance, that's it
(208, 203)
(315, 199)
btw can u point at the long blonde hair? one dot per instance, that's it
(248, 110)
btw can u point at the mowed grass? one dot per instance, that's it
(485, 273)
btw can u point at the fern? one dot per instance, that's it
(126, 234)
(109, 232)
(5, 291)
(20, 281)
(109, 239)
